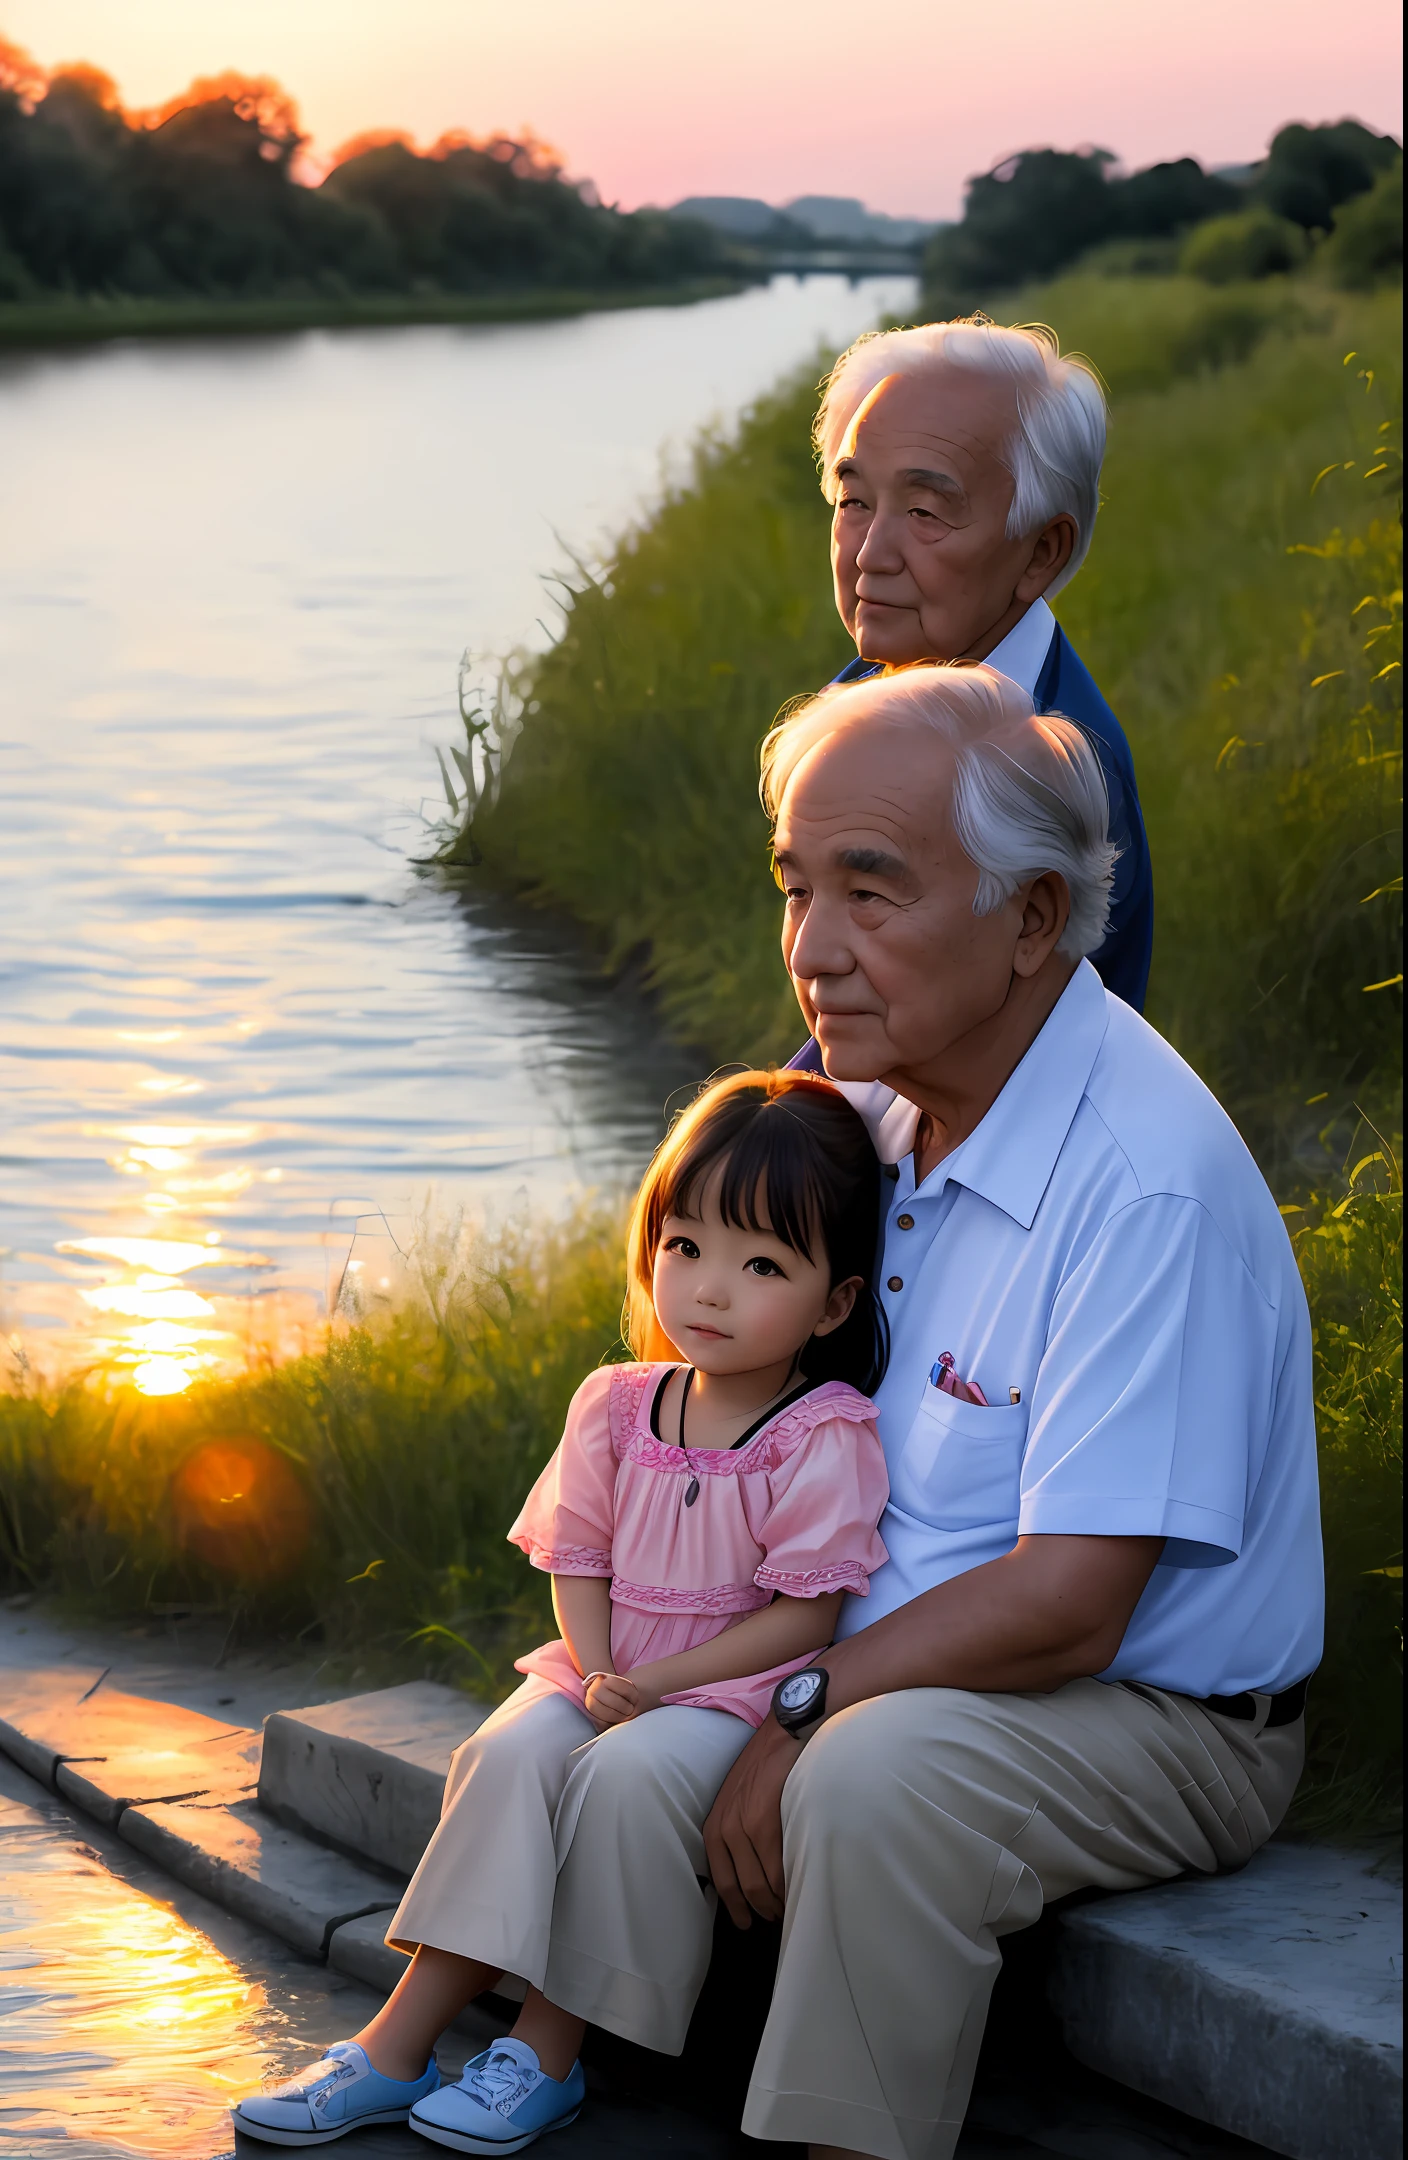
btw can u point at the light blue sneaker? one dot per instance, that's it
(331, 2097)
(504, 2101)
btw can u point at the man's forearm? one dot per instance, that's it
(1052, 1610)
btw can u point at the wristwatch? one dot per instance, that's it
(799, 1701)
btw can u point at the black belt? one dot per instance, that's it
(1285, 1707)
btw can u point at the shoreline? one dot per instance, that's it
(37, 323)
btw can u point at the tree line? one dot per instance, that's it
(1042, 210)
(205, 197)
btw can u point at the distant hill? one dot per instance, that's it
(842, 217)
(742, 217)
(808, 221)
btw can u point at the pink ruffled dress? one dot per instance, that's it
(794, 1510)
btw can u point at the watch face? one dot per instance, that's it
(796, 1693)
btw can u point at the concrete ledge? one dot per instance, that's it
(103, 1749)
(1267, 2002)
(42, 1713)
(367, 1775)
(253, 1866)
(224, 1766)
(178, 1786)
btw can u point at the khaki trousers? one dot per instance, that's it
(918, 1829)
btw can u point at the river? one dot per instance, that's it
(241, 1042)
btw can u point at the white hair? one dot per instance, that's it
(1057, 447)
(1029, 794)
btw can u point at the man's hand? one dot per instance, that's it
(743, 1835)
(1053, 1609)
(611, 1699)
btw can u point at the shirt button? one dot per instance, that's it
(896, 1282)
(904, 1222)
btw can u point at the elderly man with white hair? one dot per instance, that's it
(1084, 1662)
(962, 461)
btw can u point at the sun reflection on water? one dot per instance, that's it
(154, 1335)
(124, 2028)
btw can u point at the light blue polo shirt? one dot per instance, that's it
(1104, 1245)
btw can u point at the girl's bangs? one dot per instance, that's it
(770, 1180)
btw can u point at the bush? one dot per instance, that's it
(1227, 250)
(1133, 258)
(1366, 247)
(1040, 210)
(1310, 171)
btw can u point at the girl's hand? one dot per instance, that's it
(611, 1699)
(649, 1684)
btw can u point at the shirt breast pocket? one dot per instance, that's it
(961, 1468)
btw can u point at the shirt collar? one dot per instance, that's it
(1009, 1158)
(1021, 655)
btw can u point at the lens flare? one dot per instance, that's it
(241, 1507)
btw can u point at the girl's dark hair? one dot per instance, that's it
(796, 1160)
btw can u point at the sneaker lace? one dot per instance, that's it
(500, 2083)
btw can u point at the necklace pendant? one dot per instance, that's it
(691, 1492)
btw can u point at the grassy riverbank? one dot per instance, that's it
(79, 321)
(1241, 609)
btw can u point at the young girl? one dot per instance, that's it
(701, 1520)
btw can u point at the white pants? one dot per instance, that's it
(918, 1829)
(546, 1865)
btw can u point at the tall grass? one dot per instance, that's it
(1350, 1251)
(85, 319)
(412, 1437)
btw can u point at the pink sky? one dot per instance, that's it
(656, 99)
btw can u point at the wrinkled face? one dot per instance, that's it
(890, 964)
(922, 563)
(738, 1301)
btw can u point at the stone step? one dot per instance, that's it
(242, 1859)
(104, 1750)
(1266, 2003)
(180, 1788)
(367, 1775)
(1269, 2002)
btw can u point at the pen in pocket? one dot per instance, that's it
(945, 1378)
